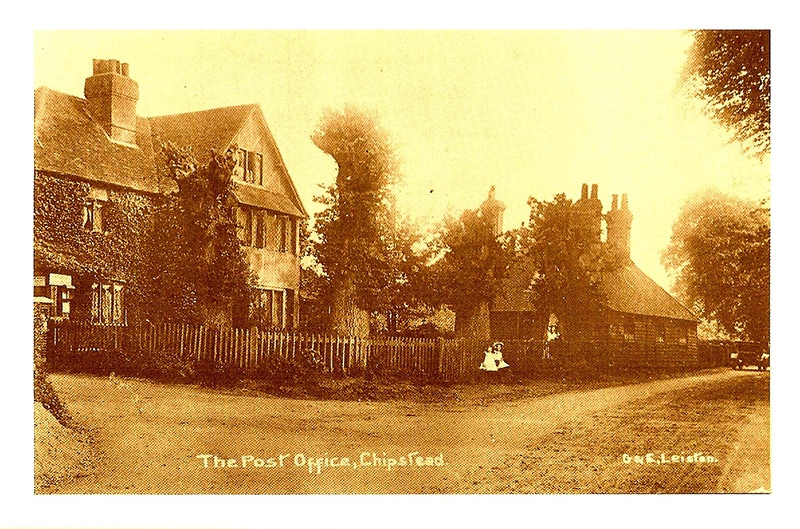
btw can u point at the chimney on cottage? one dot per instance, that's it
(492, 209)
(112, 97)
(618, 226)
(591, 209)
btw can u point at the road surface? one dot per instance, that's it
(167, 439)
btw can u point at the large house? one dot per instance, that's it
(643, 324)
(95, 182)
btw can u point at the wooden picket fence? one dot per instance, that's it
(447, 360)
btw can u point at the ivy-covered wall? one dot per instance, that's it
(63, 245)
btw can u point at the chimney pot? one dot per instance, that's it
(584, 191)
(111, 97)
(125, 69)
(613, 202)
(594, 191)
(625, 201)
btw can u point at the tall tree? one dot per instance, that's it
(730, 70)
(470, 270)
(197, 268)
(719, 253)
(355, 231)
(568, 261)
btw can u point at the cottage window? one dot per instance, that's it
(107, 303)
(244, 225)
(683, 336)
(249, 166)
(276, 307)
(660, 332)
(629, 330)
(293, 236)
(258, 220)
(289, 319)
(283, 233)
(93, 215)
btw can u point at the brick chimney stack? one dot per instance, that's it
(493, 209)
(618, 226)
(591, 209)
(112, 97)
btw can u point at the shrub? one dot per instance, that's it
(44, 393)
(209, 373)
(306, 366)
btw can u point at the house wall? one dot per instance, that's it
(644, 348)
(273, 269)
(63, 246)
(254, 137)
(622, 340)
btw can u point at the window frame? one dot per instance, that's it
(108, 308)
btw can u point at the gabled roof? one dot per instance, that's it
(216, 129)
(202, 131)
(259, 197)
(68, 141)
(626, 289)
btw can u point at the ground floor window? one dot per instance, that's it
(629, 329)
(276, 308)
(660, 332)
(57, 288)
(108, 304)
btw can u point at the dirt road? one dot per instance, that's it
(150, 436)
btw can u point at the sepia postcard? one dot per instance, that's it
(401, 262)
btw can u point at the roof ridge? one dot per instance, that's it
(202, 111)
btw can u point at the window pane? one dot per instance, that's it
(266, 302)
(293, 236)
(119, 314)
(283, 233)
(88, 216)
(95, 302)
(271, 231)
(251, 167)
(279, 308)
(259, 169)
(289, 308)
(238, 169)
(97, 216)
(248, 227)
(105, 304)
(259, 220)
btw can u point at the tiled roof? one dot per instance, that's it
(259, 197)
(626, 289)
(68, 141)
(215, 129)
(202, 131)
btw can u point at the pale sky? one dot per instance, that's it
(533, 113)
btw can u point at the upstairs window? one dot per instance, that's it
(258, 228)
(244, 225)
(93, 215)
(249, 166)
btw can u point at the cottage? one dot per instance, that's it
(95, 181)
(644, 326)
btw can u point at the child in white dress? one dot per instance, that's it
(493, 358)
